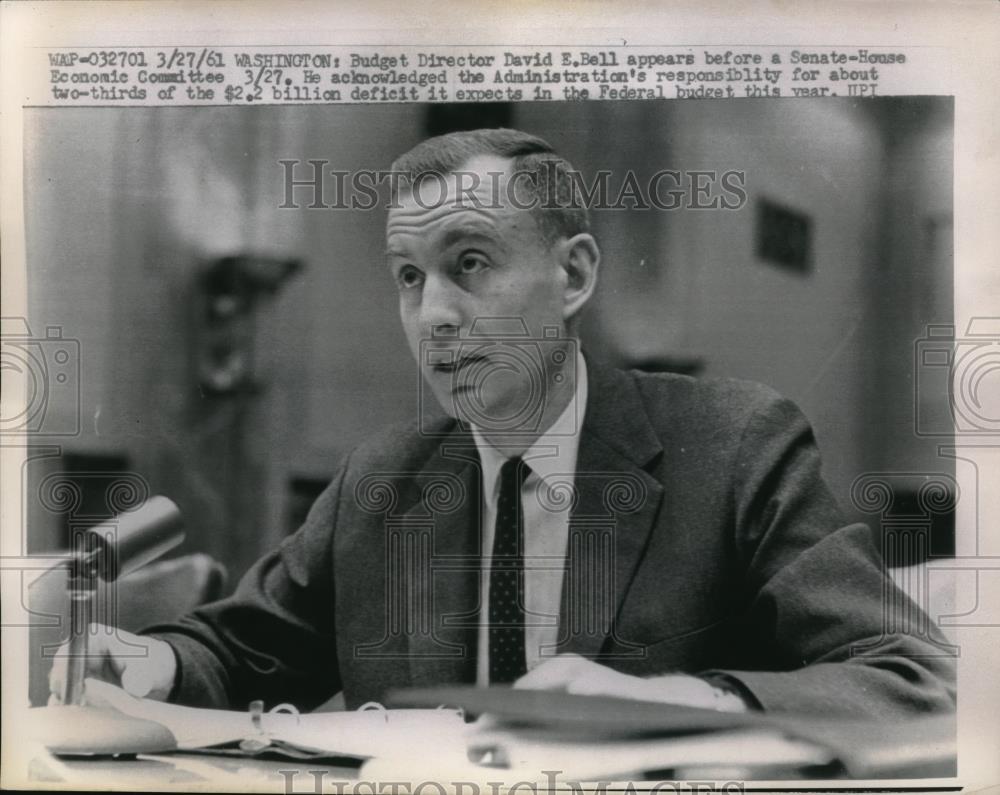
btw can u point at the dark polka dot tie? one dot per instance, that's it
(506, 614)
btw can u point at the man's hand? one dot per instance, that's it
(574, 674)
(144, 667)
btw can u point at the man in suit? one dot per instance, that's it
(563, 525)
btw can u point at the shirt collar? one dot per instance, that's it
(555, 451)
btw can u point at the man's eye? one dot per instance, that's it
(409, 277)
(472, 263)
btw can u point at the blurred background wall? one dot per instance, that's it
(127, 208)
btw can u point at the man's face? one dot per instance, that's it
(471, 280)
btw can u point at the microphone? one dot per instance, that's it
(108, 551)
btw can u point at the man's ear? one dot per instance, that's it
(580, 258)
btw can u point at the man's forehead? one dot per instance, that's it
(475, 193)
(483, 175)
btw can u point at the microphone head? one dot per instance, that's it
(134, 538)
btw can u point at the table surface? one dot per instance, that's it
(202, 772)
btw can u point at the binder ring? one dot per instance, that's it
(286, 709)
(374, 706)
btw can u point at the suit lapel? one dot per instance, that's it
(443, 530)
(617, 504)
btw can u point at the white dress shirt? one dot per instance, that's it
(552, 475)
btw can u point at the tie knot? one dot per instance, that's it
(514, 472)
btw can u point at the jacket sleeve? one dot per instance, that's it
(274, 638)
(838, 636)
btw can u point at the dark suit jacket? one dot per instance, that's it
(703, 539)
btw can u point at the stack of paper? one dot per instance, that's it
(390, 734)
(585, 737)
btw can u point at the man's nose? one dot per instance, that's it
(439, 306)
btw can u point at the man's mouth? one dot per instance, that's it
(454, 365)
